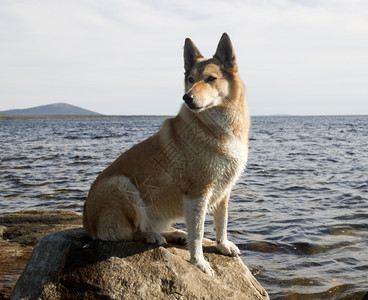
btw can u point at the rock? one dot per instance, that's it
(19, 232)
(28, 227)
(69, 265)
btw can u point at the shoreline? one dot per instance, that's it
(90, 117)
(75, 117)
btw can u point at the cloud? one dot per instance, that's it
(125, 57)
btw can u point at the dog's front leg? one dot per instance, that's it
(220, 218)
(195, 214)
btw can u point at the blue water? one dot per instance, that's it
(299, 213)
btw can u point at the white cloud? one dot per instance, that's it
(125, 57)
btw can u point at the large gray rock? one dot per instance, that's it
(68, 265)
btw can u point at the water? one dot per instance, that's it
(299, 213)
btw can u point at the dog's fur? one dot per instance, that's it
(188, 166)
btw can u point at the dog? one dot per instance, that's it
(189, 166)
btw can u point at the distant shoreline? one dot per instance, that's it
(64, 117)
(71, 117)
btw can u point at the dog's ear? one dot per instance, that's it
(191, 54)
(225, 53)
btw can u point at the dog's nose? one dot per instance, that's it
(188, 98)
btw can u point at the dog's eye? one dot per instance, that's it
(211, 78)
(190, 79)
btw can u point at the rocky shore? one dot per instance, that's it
(67, 264)
(19, 233)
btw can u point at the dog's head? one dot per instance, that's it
(209, 82)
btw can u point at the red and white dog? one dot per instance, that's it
(188, 166)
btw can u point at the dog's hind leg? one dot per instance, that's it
(117, 230)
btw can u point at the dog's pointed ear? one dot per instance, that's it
(191, 54)
(225, 53)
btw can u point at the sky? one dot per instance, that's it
(125, 57)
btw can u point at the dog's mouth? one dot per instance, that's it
(194, 107)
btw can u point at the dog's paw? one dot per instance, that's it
(179, 236)
(204, 266)
(175, 236)
(155, 238)
(228, 248)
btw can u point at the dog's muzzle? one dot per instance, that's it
(189, 101)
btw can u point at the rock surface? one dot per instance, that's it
(108, 270)
(19, 232)
(69, 265)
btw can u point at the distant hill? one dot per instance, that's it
(62, 109)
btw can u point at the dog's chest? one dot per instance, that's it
(231, 161)
(226, 169)
(219, 164)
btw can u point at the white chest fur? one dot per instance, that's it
(226, 168)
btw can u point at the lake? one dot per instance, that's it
(299, 213)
